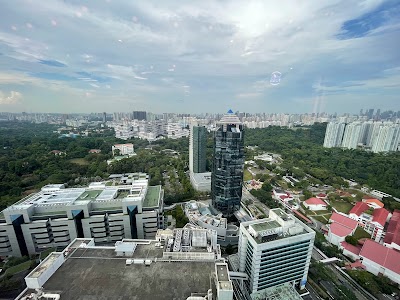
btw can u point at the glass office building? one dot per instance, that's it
(228, 163)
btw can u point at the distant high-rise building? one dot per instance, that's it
(370, 113)
(388, 138)
(334, 134)
(274, 251)
(228, 163)
(139, 115)
(104, 117)
(197, 149)
(351, 135)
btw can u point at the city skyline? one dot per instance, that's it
(68, 56)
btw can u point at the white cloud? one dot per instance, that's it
(226, 47)
(11, 99)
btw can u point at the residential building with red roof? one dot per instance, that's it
(315, 204)
(340, 227)
(321, 196)
(374, 203)
(392, 237)
(379, 259)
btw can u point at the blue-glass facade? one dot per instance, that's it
(228, 163)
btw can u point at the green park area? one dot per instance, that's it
(341, 206)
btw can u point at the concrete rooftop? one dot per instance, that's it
(97, 275)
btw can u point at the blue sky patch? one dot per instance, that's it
(52, 63)
(53, 76)
(361, 26)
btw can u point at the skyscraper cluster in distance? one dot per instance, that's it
(375, 136)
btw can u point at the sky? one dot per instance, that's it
(199, 56)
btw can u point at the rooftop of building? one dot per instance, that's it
(56, 196)
(344, 220)
(359, 208)
(373, 201)
(97, 275)
(315, 201)
(153, 196)
(339, 229)
(380, 216)
(386, 257)
(279, 225)
(393, 230)
(201, 177)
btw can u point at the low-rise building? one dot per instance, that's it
(380, 260)
(315, 204)
(201, 181)
(392, 236)
(350, 250)
(373, 203)
(340, 226)
(57, 215)
(122, 149)
(200, 215)
(373, 223)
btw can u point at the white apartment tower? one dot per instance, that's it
(274, 251)
(334, 134)
(387, 139)
(351, 135)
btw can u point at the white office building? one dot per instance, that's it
(56, 215)
(334, 134)
(274, 251)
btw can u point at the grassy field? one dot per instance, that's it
(361, 233)
(247, 175)
(323, 219)
(79, 161)
(342, 206)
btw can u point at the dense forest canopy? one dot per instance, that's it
(26, 161)
(302, 148)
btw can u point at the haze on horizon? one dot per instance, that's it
(180, 56)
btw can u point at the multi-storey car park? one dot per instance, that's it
(125, 207)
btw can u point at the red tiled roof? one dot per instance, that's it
(357, 265)
(375, 201)
(346, 221)
(393, 230)
(380, 215)
(321, 195)
(340, 230)
(386, 257)
(351, 248)
(315, 201)
(359, 208)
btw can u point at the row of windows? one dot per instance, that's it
(268, 274)
(285, 248)
(284, 256)
(277, 282)
(280, 279)
(283, 266)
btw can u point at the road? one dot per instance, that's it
(358, 290)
